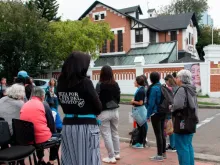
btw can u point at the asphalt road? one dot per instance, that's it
(206, 140)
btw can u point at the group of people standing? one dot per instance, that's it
(89, 111)
(184, 99)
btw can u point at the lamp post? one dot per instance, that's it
(212, 34)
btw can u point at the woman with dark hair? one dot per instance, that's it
(81, 106)
(109, 94)
(138, 105)
(157, 119)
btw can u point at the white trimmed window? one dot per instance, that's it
(98, 16)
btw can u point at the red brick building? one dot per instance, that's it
(159, 39)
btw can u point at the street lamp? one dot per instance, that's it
(212, 33)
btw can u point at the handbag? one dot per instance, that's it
(139, 114)
(168, 127)
(111, 105)
(185, 120)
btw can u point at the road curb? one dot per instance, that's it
(200, 106)
(197, 156)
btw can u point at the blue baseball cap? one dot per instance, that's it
(22, 74)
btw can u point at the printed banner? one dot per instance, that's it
(195, 70)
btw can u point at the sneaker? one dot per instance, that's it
(164, 156)
(109, 160)
(170, 149)
(157, 158)
(117, 157)
(138, 146)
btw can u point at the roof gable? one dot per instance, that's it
(131, 10)
(94, 5)
(171, 22)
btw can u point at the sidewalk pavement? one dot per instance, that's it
(130, 156)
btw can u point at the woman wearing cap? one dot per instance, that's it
(24, 79)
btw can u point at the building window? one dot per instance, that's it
(103, 16)
(190, 39)
(112, 45)
(104, 47)
(152, 36)
(97, 17)
(120, 41)
(173, 35)
(139, 35)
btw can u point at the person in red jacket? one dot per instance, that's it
(34, 112)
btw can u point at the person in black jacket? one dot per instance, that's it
(109, 94)
(81, 106)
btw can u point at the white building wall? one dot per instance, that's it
(132, 14)
(146, 39)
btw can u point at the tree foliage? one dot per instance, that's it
(84, 35)
(23, 43)
(47, 8)
(184, 6)
(205, 39)
(29, 42)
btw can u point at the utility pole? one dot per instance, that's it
(212, 33)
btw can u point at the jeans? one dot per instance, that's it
(158, 121)
(172, 140)
(109, 130)
(184, 149)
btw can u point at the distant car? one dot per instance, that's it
(42, 83)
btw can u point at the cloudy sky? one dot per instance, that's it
(72, 9)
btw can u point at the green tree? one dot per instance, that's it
(84, 35)
(205, 39)
(47, 8)
(184, 6)
(23, 40)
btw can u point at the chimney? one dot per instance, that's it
(152, 13)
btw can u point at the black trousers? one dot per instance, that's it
(53, 153)
(142, 134)
(53, 150)
(158, 121)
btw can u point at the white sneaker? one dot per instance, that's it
(117, 157)
(109, 160)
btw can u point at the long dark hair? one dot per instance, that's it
(106, 75)
(170, 79)
(155, 78)
(74, 69)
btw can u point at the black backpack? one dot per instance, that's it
(166, 100)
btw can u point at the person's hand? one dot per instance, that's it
(132, 101)
(148, 120)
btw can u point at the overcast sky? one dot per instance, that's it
(72, 9)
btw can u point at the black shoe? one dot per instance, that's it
(170, 149)
(48, 163)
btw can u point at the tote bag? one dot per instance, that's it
(139, 114)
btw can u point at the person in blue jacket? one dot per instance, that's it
(157, 119)
(56, 115)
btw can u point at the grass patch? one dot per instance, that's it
(127, 95)
(206, 103)
(125, 100)
(206, 96)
